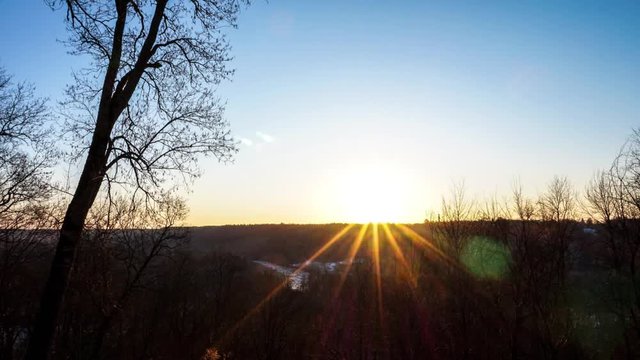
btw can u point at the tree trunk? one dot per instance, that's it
(112, 102)
(70, 234)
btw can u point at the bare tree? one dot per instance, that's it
(26, 158)
(138, 237)
(558, 206)
(25, 155)
(458, 212)
(559, 203)
(523, 207)
(613, 199)
(145, 108)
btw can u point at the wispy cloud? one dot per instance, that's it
(265, 137)
(245, 141)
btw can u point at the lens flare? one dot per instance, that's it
(486, 258)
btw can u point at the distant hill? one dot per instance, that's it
(277, 243)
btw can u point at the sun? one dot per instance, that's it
(372, 195)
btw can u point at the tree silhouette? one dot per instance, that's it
(26, 158)
(24, 163)
(144, 109)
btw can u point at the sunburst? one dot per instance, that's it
(375, 246)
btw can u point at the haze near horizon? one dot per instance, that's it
(369, 111)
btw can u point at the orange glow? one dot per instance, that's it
(399, 255)
(354, 249)
(285, 282)
(428, 245)
(378, 274)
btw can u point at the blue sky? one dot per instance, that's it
(401, 98)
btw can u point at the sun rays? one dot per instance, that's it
(374, 244)
(399, 255)
(285, 281)
(377, 271)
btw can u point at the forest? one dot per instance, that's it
(535, 278)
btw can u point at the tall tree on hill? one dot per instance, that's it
(145, 109)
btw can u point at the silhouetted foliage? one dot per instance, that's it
(140, 115)
(519, 278)
(26, 159)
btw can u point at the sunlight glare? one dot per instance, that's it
(330, 242)
(373, 195)
(378, 271)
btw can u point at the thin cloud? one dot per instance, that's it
(265, 137)
(245, 141)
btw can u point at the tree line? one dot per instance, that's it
(546, 277)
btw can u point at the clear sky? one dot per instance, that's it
(344, 106)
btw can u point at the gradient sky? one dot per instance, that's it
(336, 101)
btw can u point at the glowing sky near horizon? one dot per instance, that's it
(334, 100)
